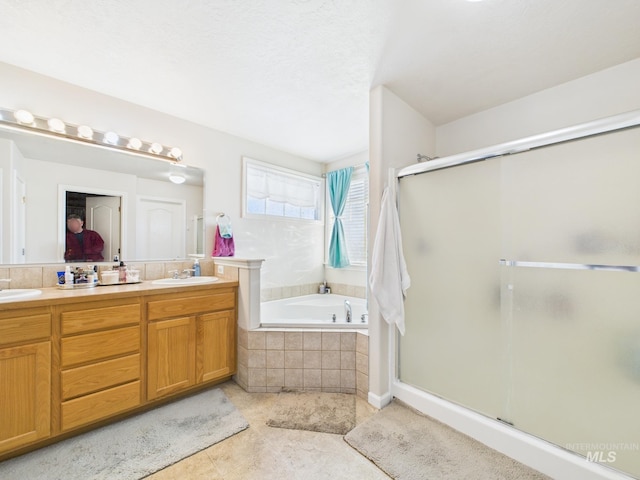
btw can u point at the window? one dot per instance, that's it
(280, 192)
(354, 218)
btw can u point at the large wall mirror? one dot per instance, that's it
(127, 198)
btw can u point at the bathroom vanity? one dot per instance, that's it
(74, 360)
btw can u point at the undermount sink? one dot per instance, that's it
(185, 281)
(18, 293)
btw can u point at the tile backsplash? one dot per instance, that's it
(46, 275)
(278, 293)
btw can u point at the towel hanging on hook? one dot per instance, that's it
(224, 245)
(224, 224)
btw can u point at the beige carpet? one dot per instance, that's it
(315, 411)
(409, 446)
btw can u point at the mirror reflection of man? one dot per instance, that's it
(82, 244)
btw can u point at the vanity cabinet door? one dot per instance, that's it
(25, 377)
(216, 345)
(171, 353)
(25, 402)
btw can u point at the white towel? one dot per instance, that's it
(389, 278)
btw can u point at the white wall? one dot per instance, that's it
(602, 94)
(218, 153)
(397, 134)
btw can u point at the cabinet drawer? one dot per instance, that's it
(98, 376)
(99, 318)
(191, 305)
(20, 329)
(96, 406)
(96, 346)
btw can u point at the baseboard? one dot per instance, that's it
(532, 451)
(379, 401)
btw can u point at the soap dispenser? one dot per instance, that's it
(196, 268)
(68, 277)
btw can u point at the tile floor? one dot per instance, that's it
(263, 453)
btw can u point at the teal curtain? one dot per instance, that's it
(338, 182)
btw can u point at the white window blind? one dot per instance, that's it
(280, 192)
(354, 218)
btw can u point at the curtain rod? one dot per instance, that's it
(360, 165)
(596, 127)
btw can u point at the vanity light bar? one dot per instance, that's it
(25, 120)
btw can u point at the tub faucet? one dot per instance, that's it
(347, 308)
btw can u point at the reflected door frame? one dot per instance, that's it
(18, 222)
(62, 215)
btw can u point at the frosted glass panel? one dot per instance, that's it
(575, 353)
(450, 221)
(574, 335)
(578, 202)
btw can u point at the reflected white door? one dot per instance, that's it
(103, 216)
(159, 218)
(19, 228)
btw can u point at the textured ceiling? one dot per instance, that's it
(296, 74)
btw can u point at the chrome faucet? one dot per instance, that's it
(347, 308)
(186, 273)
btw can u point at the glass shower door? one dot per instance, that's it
(453, 346)
(525, 296)
(571, 295)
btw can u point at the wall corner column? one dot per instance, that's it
(248, 290)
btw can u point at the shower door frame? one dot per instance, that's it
(517, 444)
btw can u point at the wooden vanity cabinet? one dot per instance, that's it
(69, 364)
(190, 340)
(100, 361)
(25, 377)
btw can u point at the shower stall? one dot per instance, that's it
(525, 297)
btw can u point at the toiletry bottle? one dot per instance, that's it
(122, 276)
(68, 277)
(196, 268)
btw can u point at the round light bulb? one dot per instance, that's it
(155, 148)
(56, 125)
(85, 132)
(134, 143)
(111, 138)
(175, 152)
(24, 117)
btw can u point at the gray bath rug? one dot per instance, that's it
(315, 411)
(409, 446)
(135, 447)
